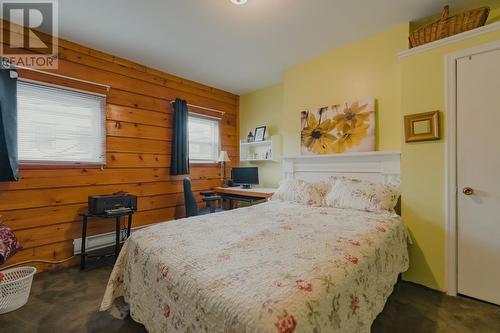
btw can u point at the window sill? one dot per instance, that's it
(203, 163)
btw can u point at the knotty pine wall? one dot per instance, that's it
(42, 207)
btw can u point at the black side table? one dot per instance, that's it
(117, 217)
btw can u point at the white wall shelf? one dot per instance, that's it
(254, 144)
(262, 151)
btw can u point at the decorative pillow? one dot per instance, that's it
(362, 195)
(8, 243)
(323, 187)
(298, 191)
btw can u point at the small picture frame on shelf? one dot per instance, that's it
(260, 133)
(250, 137)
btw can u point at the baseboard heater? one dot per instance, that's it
(99, 241)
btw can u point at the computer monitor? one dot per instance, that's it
(245, 176)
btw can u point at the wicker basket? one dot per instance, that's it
(15, 288)
(449, 25)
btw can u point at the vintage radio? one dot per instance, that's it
(112, 204)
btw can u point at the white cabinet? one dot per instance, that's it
(268, 150)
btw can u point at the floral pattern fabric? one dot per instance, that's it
(9, 245)
(275, 267)
(300, 191)
(362, 195)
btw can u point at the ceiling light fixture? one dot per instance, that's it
(239, 2)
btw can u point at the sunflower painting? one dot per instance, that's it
(348, 127)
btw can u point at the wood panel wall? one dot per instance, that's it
(42, 207)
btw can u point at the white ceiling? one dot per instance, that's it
(235, 48)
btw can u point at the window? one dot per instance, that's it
(204, 137)
(60, 126)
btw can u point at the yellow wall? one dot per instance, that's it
(263, 108)
(369, 68)
(423, 164)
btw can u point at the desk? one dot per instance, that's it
(249, 195)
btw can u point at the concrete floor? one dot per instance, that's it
(67, 301)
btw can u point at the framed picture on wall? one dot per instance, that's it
(422, 126)
(341, 128)
(260, 133)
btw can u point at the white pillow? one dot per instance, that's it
(298, 191)
(362, 195)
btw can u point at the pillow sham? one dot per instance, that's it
(299, 191)
(323, 187)
(362, 195)
(9, 244)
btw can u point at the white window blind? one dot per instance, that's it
(57, 125)
(204, 138)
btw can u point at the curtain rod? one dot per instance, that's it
(103, 85)
(22, 79)
(202, 107)
(61, 76)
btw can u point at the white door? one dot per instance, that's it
(478, 175)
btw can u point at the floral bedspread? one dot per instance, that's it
(274, 267)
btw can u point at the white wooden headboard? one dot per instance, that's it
(380, 167)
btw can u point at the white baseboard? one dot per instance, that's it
(100, 241)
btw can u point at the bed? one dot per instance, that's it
(274, 267)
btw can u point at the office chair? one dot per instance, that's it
(190, 201)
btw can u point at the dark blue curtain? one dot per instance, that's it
(180, 142)
(8, 127)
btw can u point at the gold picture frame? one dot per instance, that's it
(422, 127)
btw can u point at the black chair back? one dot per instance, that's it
(189, 199)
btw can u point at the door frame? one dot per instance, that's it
(451, 190)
